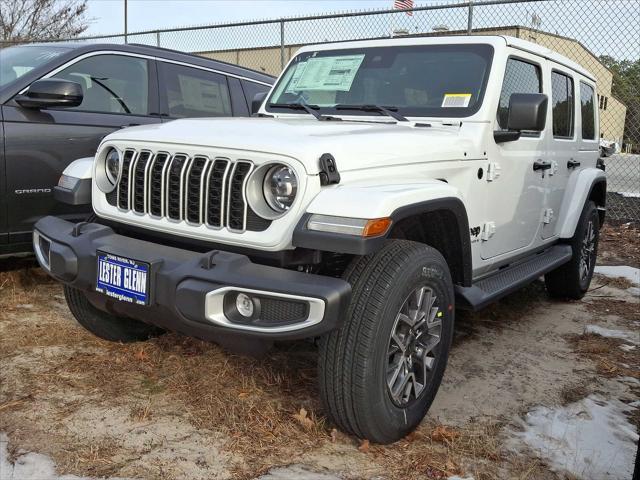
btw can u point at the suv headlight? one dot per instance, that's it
(108, 169)
(112, 165)
(280, 187)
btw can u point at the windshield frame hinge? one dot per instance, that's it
(329, 174)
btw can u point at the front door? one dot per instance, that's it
(562, 146)
(39, 144)
(515, 193)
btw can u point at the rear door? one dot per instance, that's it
(562, 145)
(119, 89)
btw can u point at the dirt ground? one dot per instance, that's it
(175, 408)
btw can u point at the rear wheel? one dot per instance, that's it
(572, 279)
(104, 325)
(380, 372)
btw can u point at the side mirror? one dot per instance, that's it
(527, 111)
(256, 103)
(51, 92)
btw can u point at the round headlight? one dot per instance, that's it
(280, 187)
(112, 166)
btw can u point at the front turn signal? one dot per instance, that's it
(376, 227)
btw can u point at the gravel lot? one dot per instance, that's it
(175, 408)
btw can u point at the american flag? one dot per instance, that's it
(404, 5)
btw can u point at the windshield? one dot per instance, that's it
(17, 61)
(416, 80)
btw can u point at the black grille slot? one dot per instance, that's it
(256, 223)
(138, 181)
(197, 170)
(155, 184)
(112, 198)
(174, 186)
(215, 193)
(236, 199)
(123, 186)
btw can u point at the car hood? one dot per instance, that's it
(354, 144)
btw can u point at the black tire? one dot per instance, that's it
(354, 360)
(104, 325)
(572, 280)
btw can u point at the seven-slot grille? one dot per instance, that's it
(196, 189)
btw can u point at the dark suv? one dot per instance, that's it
(57, 102)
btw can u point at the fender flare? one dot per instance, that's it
(582, 191)
(350, 244)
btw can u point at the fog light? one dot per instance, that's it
(244, 305)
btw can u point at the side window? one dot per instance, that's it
(587, 112)
(191, 92)
(111, 84)
(251, 88)
(519, 77)
(562, 105)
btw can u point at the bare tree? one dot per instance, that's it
(33, 20)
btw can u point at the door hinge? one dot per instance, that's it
(493, 171)
(488, 230)
(548, 216)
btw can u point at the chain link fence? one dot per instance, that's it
(601, 35)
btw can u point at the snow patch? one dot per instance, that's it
(607, 332)
(630, 273)
(30, 466)
(629, 194)
(296, 472)
(627, 348)
(591, 439)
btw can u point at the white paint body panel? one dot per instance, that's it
(81, 168)
(386, 165)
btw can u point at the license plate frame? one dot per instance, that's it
(122, 278)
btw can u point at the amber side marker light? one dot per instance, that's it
(376, 227)
(361, 227)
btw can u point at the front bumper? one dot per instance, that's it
(188, 291)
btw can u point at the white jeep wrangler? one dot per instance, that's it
(385, 184)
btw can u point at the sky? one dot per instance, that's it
(108, 15)
(585, 20)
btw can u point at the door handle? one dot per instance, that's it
(538, 165)
(130, 125)
(572, 164)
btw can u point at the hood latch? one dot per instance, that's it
(329, 174)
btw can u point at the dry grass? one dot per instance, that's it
(609, 358)
(629, 311)
(620, 244)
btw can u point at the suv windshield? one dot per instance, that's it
(17, 61)
(416, 80)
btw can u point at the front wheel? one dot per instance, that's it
(572, 279)
(380, 372)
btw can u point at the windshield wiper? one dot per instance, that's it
(389, 111)
(310, 109)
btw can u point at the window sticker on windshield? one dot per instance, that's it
(456, 100)
(293, 83)
(329, 73)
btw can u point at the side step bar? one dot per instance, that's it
(511, 278)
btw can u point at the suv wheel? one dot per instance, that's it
(104, 325)
(572, 279)
(380, 372)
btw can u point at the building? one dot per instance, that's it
(612, 111)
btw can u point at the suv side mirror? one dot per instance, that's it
(256, 103)
(51, 92)
(527, 111)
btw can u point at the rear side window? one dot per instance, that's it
(562, 104)
(111, 84)
(191, 92)
(519, 77)
(252, 88)
(587, 111)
